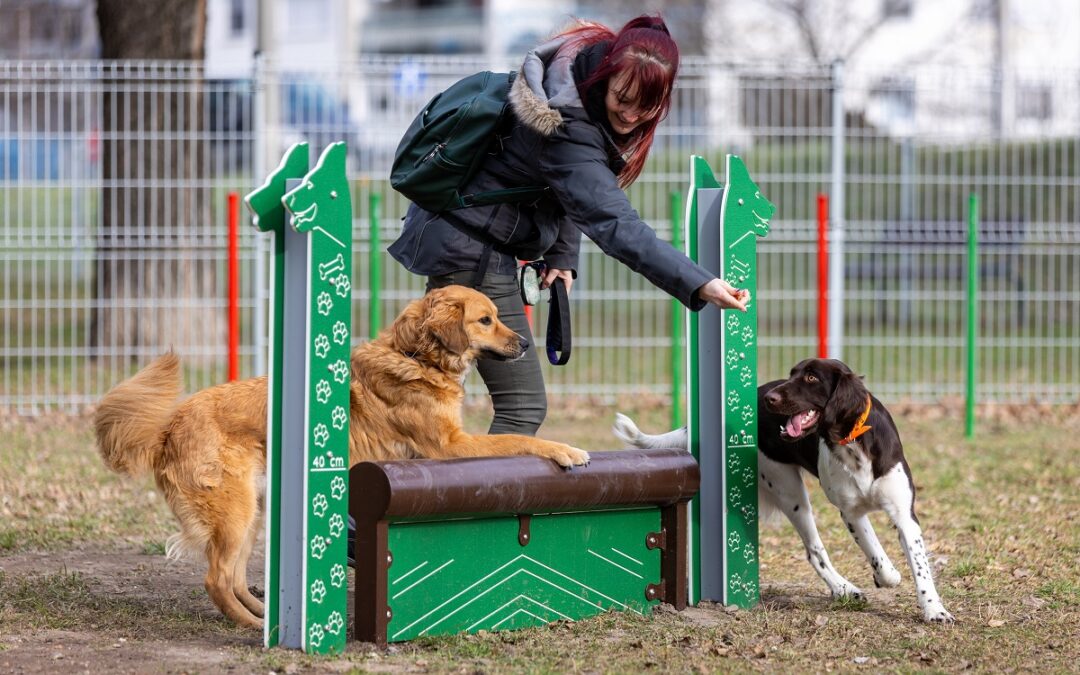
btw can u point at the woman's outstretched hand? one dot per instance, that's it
(724, 295)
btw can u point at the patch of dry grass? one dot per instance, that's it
(1001, 514)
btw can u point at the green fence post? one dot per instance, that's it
(374, 266)
(972, 313)
(677, 320)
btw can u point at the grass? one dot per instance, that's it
(1000, 513)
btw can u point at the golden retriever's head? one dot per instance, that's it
(455, 323)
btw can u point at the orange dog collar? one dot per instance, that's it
(860, 427)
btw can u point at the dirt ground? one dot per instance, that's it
(204, 642)
(133, 577)
(85, 587)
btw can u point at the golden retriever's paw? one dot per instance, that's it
(568, 457)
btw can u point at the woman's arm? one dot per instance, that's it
(574, 163)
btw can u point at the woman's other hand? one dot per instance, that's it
(551, 274)
(724, 295)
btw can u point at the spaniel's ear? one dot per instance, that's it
(847, 402)
(446, 321)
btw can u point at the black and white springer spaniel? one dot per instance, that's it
(824, 420)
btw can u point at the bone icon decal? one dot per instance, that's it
(331, 267)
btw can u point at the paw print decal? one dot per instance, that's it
(337, 487)
(747, 413)
(732, 398)
(318, 546)
(340, 369)
(319, 505)
(747, 476)
(341, 333)
(732, 357)
(316, 635)
(732, 322)
(322, 346)
(747, 334)
(342, 286)
(338, 417)
(335, 623)
(318, 591)
(337, 575)
(325, 303)
(746, 376)
(337, 525)
(321, 435)
(749, 514)
(322, 391)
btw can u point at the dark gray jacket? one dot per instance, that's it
(552, 142)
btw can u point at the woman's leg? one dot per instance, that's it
(516, 387)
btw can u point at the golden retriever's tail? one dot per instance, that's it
(131, 419)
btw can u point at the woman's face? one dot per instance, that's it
(623, 111)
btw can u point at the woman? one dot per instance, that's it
(586, 105)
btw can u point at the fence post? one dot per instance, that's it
(676, 322)
(823, 275)
(258, 315)
(374, 266)
(234, 285)
(836, 246)
(972, 312)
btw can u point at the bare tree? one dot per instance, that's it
(148, 269)
(830, 30)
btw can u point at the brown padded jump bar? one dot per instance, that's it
(523, 484)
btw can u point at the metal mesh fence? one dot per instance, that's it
(114, 177)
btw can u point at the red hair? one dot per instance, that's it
(644, 49)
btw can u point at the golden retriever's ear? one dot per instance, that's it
(847, 402)
(408, 327)
(446, 321)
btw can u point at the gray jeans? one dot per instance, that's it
(516, 387)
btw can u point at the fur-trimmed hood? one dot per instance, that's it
(545, 84)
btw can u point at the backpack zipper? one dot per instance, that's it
(434, 151)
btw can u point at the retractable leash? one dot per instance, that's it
(558, 328)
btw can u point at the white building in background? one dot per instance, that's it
(901, 55)
(305, 34)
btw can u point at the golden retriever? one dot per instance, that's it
(208, 453)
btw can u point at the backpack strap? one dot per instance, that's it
(506, 196)
(558, 328)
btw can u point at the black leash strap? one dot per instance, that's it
(481, 267)
(558, 328)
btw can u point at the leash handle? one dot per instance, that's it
(558, 328)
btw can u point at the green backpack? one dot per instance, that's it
(447, 142)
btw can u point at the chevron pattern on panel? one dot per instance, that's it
(525, 591)
(474, 574)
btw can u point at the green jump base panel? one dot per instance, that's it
(511, 542)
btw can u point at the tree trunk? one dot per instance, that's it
(152, 272)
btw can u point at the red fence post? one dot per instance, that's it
(234, 286)
(823, 275)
